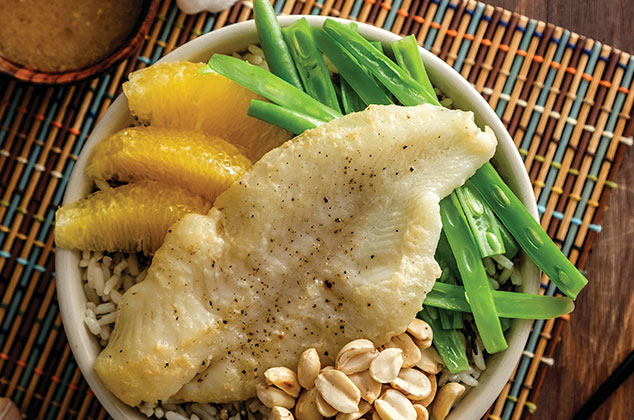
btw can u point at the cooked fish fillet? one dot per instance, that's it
(328, 238)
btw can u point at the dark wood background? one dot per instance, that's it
(601, 331)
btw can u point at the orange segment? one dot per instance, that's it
(203, 164)
(175, 95)
(133, 217)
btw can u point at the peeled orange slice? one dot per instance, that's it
(133, 217)
(203, 164)
(175, 95)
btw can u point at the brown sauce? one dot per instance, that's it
(60, 35)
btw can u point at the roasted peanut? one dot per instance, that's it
(271, 396)
(387, 364)
(421, 412)
(369, 387)
(393, 405)
(364, 407)
(411, 353)
(434, 385)
(430, 361)
(338, 390)
(356, 356)
(323, 407)
(306, 408)
(280, 413)
(446, 397)
(283, 378)
(308, 368)
(421, 333)
(413, 383)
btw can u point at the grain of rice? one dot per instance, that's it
(91, 305)
(489, 266)
(92, 266)
(105, 332)
(503, 261)
(105, 270)
(108, 318)
(516, 278)
(102, 185)
(478, 355)
(447, 376)
(104, 308)
(91, 322)
(475, 372)
(107, 260)
(467, 379)
(122, 265)
(446, 102)
(194, 417)
(173, 415)
(133, 265)
(159, 413)
(494, 283)
(253, 406)
(254, 49)
(112, 284)
(505, 275)
(247, 4)
(85, 255)
(90, 294)
(203, 412)
(115, 296)
(254, 59)
(127, 282)
(83, 263)
(147, 411)
(141, 276)
(98, 255)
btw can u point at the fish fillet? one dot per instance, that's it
(328, 238)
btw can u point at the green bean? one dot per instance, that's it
(527, 231)
(446, 319)
(275, 49)
(310, 63)
(507, 304)
(408, 57)
(510, 244)
(350, 99)
(474, 278)
(506, 323)
(350, 70)
(447, 343)
(288, 119)
(377, 45)
(271, 87)
(388, 73)
(458, 321)
(444, 256)
(482, 222)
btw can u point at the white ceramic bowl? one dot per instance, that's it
(237, 37)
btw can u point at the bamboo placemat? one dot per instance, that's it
(566, 100)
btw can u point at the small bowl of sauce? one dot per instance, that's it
(64, 41)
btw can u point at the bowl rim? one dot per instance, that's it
(84, 345)
(132, 43)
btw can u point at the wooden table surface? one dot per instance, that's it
(601, 331)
